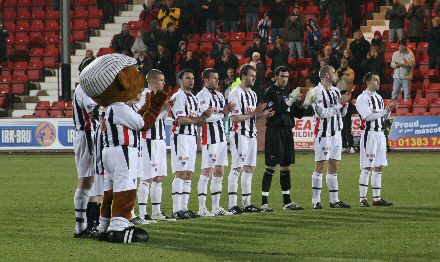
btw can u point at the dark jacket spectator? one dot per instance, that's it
(259, 85)
(360, 48)
(185, 23)
(181, 54)
(217, 50)
(338, 44)
(164, 63)
(4, 33)
(211, 12)
(227, 60)
(278, 13)
(331, 57)
(123, 42)
(258, 46)
(434, 44)
(144, 63)
(314, 37)
(231, 10)
(396, 14)
(190, 61)
(416, 27)
(251, 8)
(378, 42)
(279, 54)
(152, 38)
(336, 7)
(148, 14)
(227, 82)
(172, 37)
(374, 63)
(169, 13)
(353, 11)
(295, 25)
(86, 61)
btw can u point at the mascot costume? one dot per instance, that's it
(110, 80)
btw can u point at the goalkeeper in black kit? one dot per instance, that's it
(279, 146)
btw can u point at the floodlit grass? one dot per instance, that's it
(37, 218)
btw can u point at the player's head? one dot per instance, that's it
(372, 80)
(281, 76)
(327, 74)
(186, 79)
(248, 75)
(210, 78)
(156, 79)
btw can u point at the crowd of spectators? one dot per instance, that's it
(283, 33)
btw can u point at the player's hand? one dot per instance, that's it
(228, 108)
(391, 106)
(309, 99)
(267, 113)
(207, 113)
(344, 99)
(260, 108)
(293, 96)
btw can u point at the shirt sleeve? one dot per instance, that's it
(203, 101)
(319, 108)
(233, 98)
(365, 112)
(127, 117)
(88, 103)
(179, 107)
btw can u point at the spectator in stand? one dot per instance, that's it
(259, 86)
(258, 46)
(107, 8)
(314, 76)
(251, 8)
(396, 13)
(353, 11)
(123, 42)
(338, 44)
(295, 25)
(152, 38)
(332, 58)
(190, 61)
(87, 60)
(217, 50)
(336, 11)
(403, 63)
(279, 54)
(169, 13)
(4, 33)
(144, 62)
(231, 14)
(186, 16)
(172, 37)
(138, 45)
(434, 44)
(429, 6)
(211, 14)
(278, 13)
(164, 62)
(378, 42)
(180, 55)
(359, 47)
(198, 16)
(227, 82)
(322, 9)
(345, 85)
(314, 40)
(416, 17)
(148, 14)
(349, 56)
(264, 28)
(374, 63)
(227, 60)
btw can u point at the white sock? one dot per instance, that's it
(142, 194)
(202, 190)
(376, 185)
(104, 223)
(332, 185)
(363, 184)
(177, 188)
(216, 191)
(316, 187)
(233, 187)
(80, 201)
(185, 194)
(246, 188)
(156, 197)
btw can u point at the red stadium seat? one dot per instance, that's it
(194, 38)
(36, 53)
(206, 47)
(57, 108)
(250, 36)
(105, 51)
(37, 26)
(38, 14)
(50, 57)
(19, 84)
(391, 47)
(21, 41)
(433, 90)
(95, 18)
(35, 71)
(238, 36)
(10, 25)
(134, 26)
(68, 113)
(420, 105)
(51, 14)
(51, 39)
(52, 25)
(194, 47)
(24, 3)
(24, 15)
(207, 37)
(80, 30)
(12, 15)
(5, 82)
(38, 3)
(434, 105)
(23, 26)
(209, 62)
(4, 97)
(20, 68)
(404, 106)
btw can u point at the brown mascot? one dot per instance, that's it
(113, 81)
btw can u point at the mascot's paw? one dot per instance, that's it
(158, 99)
(145, 107)
(128, 235)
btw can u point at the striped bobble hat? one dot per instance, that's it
(100, 74)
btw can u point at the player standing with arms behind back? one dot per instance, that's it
(214, 144)
(373, 147)
(329, 107)
(244, 139)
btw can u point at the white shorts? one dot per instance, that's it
(243, 150)
(373, 150)
(215, 155)
(328, 147)
(121, 166)
(83, 147)
(183, 153)
(98, 186)
(154, 158)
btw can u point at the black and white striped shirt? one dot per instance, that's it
(157, 132)
(245, 102)
(82, 107)
(213, 130)
(328, 111)
(371, 111)
(122, 126)
(185, 105)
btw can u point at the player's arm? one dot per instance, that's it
(323, 112)
(126, 116)
(364, 110)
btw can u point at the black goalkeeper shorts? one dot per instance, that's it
(279, 147)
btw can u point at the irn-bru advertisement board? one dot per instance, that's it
(409, 132)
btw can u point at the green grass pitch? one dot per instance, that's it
(37, 218)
